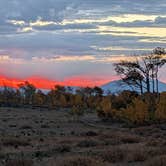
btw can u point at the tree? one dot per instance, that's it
(138, 73)
(55, 96)
(136, 112)
(130, 74)
(39, 98)
(60, 89)
(98, 91)
(9, 96)
(28, 91)
(158, 61)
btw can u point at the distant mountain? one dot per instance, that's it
(111, 87)
(119, 86)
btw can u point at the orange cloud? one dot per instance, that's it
(44, 83)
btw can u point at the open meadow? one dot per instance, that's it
(52, 138)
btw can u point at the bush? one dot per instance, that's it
(157, 161)
(76, 112)
(15, 142)
(137, 112)
(104, 108)
(80, 161)
(160, 113)
(87, 143)
(114, 155)
(19, 162)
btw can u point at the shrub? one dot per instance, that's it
(104, 108)
(137, 112)
(63, 148)
(113, 155)
(138, 154)
(160, 113)
(15, 142)
(87, 143)
(129, 139)
(19, 162)
(80, 161)
(90, 133)
(157, 161)
(76, 112)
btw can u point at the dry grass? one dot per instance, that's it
(87, 143)
(138, 154)
(113, 155)
(54, 138)
(26, 127)
(19, 162)
(14, 142)
(157, 161)
(80, 161)
(129, 139)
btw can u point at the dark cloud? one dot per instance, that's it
(58, 10)
(30, 10)
(52, 39)
(161, 20)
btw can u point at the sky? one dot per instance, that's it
(75, 42)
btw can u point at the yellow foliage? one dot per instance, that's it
(106, 106)
(137, 112)
(78, 100)
(63, 101)
(160, 113)
(39, 98)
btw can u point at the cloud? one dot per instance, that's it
(160, 20)
(63, 59)
(54, 38)
(120, 48)
(133, 31)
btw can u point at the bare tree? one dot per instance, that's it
(28, 91)
(142, 70)
(158, 62)
(130, 74)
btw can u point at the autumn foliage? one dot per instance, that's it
(126, 106)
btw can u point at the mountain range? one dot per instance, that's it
(113, 87)
(119, 86)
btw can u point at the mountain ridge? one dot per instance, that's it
(119, 86)
(116, 86)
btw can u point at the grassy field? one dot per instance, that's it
(51, 138)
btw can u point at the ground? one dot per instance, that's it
(51, 138)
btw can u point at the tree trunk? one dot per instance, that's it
(157, 82)
(141, 87)
(153, 81)
(148, 83)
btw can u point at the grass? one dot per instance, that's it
(19, 162)
(113, 155)
(15, 142)
(87, 143)
(67, 143)
(157, 161)
(80, 161)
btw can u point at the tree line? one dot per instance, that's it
(127, 106)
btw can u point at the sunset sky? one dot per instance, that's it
(75, 42)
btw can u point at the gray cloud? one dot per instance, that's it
(58, 10)
(61, 27)
(52, 40)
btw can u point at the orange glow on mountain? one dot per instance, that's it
(44, 83)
